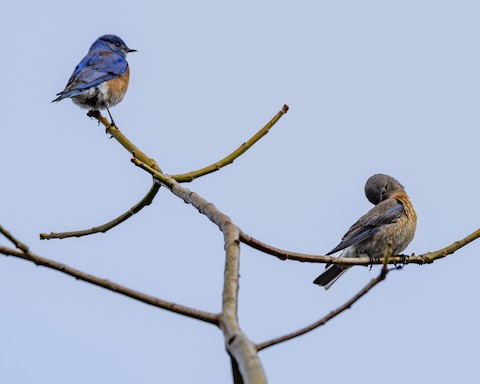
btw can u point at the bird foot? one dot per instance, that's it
(373, 260)
(93, 113)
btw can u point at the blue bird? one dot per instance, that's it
(100, 80)
(391, 222)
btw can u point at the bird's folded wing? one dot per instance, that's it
(385, 213)
(93, 70)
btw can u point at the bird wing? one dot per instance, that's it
(94, 69)
(385, 213)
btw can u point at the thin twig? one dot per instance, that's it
(135, 151)
(425, 258)
(282, 254)
(122, 139)
(18, 244)
(330, 316)
(147, 200)
(190, 176)
(111, 286)
(142, 157)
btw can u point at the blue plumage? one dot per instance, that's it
(101, 78)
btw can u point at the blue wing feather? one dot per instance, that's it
(94, 69)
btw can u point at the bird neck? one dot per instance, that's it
(403, 198)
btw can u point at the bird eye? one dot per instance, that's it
(384, 192)
(117, 44)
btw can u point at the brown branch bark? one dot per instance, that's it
(26, 254)
(115, 132)
(245, 362)
(147, 200)
(425, 258)
(190, 176)
(330, 316)
(237, 343)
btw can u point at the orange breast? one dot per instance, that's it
(118, 87)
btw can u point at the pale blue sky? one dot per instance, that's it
(372, 86)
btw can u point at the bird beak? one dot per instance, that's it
(131, 50)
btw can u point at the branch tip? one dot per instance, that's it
(147, 200)
(187, 177)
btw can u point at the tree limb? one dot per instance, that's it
(330, 316)
(425, 258)
(115, 132)
(104, 283)
(17, 243)
(237, 344)
(147, 200)
(122, 139)
(190, 176)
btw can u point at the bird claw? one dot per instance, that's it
(93, 113)
(403, 262)
(372, 260)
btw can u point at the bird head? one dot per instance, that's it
(112, 43)
(380, 187)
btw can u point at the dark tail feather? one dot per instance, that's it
(57, 99)
(61, 96)
(327, 278)
(65, 94)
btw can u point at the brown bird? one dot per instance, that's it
(391, 222)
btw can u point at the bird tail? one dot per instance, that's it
(70, 93)
(330, 276)
(64, 94)
(61, 97)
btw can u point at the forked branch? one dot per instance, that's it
(237, 343)
(115, 132)
(331, 315)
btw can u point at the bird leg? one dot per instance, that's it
(373, 259)
(112, 124)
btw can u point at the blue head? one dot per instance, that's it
(112, 43)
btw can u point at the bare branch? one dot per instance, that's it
(135, 151)
(425, 258)
(237, 377)
(147, 200)
(331, 315)
(190, 176)
(284, 255)
(18, 244)
(111, 286)
(237, 344)
(430, 257)
(127, 144)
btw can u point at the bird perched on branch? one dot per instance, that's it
(100, 80)
(391, 222)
